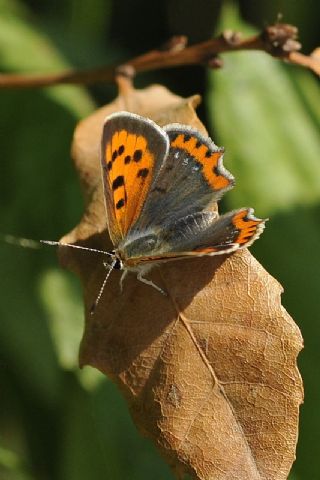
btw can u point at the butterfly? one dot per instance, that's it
(160, 189)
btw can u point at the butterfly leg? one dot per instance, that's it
(107, 266)
(123, 276)
(149, 282)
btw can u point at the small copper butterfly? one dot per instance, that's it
(160, 187)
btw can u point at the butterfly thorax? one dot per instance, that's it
(137, 247)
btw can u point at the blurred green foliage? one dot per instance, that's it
(60, 423)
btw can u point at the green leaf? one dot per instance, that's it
(25, 343)
(100, 441)
(39, 183)
(11, 466)
(62, 303)
(65, 314)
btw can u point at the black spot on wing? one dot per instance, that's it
(120, 203)
(208, 153)
(143, 172)
(137, 155)
(118, 182)
(127, 159)
(114, 155)
(121, 150)
(187, 137)
(109, 165)
(198, 144)
(173, 136)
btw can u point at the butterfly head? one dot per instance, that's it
(117, 263)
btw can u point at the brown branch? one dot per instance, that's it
(278, 40)
(309, 61)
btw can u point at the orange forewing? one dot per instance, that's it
(130, 166)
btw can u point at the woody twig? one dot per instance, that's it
(278, 40)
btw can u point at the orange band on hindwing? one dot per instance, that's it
(246, 225)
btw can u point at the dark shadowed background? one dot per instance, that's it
(60, 423)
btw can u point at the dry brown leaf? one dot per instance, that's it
(209, 373)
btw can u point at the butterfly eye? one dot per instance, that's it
(118, 264)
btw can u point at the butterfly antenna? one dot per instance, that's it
(19, 241)
(95, 304)
(61, 244)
